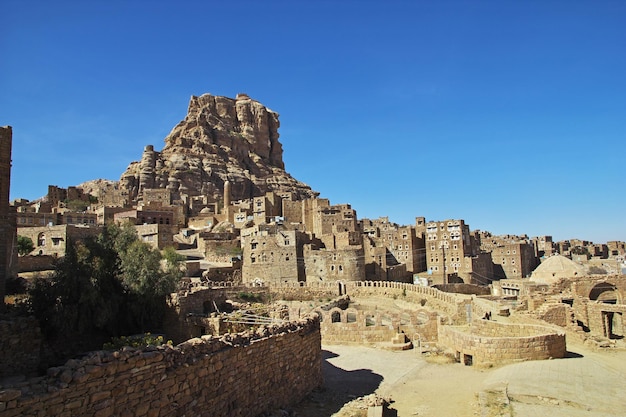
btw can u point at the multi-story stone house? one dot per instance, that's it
(266, 207)
(141, 215)
(342, 252)
(159, 236)
(616, 248)
(273, 254)
(563, 247)
(401, 246)
(106, 214)
(28, 216)
(513, 256)
(514, 260)
(600, 251)
(453, 255)
(544, 246)
(42, 213)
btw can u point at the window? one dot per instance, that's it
(253, 245)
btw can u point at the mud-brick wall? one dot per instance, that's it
(509, 342)
(238, 375)
(20, 346)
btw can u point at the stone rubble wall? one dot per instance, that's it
(239, 375)
(20, 346)
(490, 342)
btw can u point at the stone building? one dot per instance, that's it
(106, 214)
(141, 215)
(33, 215)
(29, 216)
(544, 246)
(57, 195)
(219, 247)
(159, 236)
(335, 257)
(266, 207)
(272, 254)
(388, 245)
(449, 252)
(8, 255)
(616, 248)
(52, 240)
(513, 260)
(513, 257)
(327, 219)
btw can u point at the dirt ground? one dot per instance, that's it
(586, 383)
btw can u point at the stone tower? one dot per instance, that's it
(7, 218)
(227, 194)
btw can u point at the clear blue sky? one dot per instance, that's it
(510, 115)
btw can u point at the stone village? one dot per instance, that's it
(218, 193)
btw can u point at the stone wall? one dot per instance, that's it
(31, 263)
(20, 346)
(464, 289)
(487, 342)
(239, 375)
(362, 327)
(607, 320)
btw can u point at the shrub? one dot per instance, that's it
(137, 341)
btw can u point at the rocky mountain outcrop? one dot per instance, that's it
(221, 139)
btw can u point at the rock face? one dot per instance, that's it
(221, 139)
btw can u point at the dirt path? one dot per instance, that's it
(588, 383)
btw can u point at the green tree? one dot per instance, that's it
(148, 281)
(111, 285)
(77, 205)
(25, 245)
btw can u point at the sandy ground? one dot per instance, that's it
(587, 383)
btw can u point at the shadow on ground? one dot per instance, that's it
(340, 387)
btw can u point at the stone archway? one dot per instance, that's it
(605, 292)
